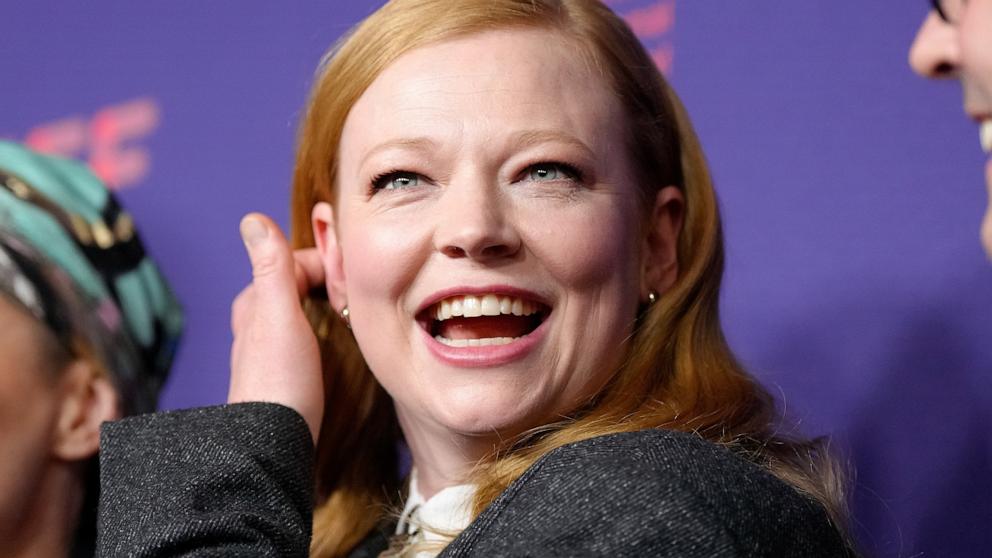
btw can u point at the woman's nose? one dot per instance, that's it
(473, 223)
(935, 53)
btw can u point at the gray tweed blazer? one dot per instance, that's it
(236, 480)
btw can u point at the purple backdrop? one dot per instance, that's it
(851, 190)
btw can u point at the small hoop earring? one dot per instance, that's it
(346, 316)
(652, 298)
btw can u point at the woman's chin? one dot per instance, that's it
(489, 414)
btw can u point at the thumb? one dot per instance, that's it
(274, 277)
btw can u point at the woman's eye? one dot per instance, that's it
(545, 172)
(396, 180)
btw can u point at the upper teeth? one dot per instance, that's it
(985, 133)
(471, 306)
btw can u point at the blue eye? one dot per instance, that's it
(548, 172)
(397, 180)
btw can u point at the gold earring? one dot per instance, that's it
(652, 298)
(346, 316)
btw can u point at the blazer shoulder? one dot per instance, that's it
(658, 454)
(735, 492)
(659, 492)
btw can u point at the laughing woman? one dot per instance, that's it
(521, 251)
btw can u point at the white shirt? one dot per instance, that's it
(435, 520)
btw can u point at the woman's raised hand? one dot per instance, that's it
(274, 356)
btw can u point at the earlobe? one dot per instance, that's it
(661, 265)
(88, 400)
(326, 237)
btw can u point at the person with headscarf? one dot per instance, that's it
(88, 331)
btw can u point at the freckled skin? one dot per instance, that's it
(962, 51)
(478, 216)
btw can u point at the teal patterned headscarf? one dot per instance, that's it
(71, 256)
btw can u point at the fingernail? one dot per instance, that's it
(253, 231)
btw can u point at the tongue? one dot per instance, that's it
(486, 326)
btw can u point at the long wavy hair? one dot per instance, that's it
(678, 372)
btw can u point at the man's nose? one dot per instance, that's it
(935, 52)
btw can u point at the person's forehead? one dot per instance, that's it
(524, 74)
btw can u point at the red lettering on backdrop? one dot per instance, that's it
(62, 137)
(652, 21)
(111, 158)
(654, 24)
(106, 141)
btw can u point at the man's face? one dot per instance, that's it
(962, 50)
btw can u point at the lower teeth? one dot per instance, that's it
(476, 342)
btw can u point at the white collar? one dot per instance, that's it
(446, 512)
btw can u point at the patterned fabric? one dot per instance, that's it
(15, 282)
(71, 256)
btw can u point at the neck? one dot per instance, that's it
(46, 527)
(442, 458)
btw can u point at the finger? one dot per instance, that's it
(309, 271)
(272, 263)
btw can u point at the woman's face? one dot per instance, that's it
(487, 238)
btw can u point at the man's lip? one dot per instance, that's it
(505, 290)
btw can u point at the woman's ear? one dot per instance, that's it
(88, 399)
(661, 240)
(326, 236)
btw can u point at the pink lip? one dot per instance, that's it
(490, 289)
(483, 357)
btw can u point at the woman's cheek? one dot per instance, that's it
(597, 249)
(381, 261)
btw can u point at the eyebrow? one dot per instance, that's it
(422, 143)
(525, 138)
(530, 138)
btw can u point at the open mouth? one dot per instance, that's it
(482, 320)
